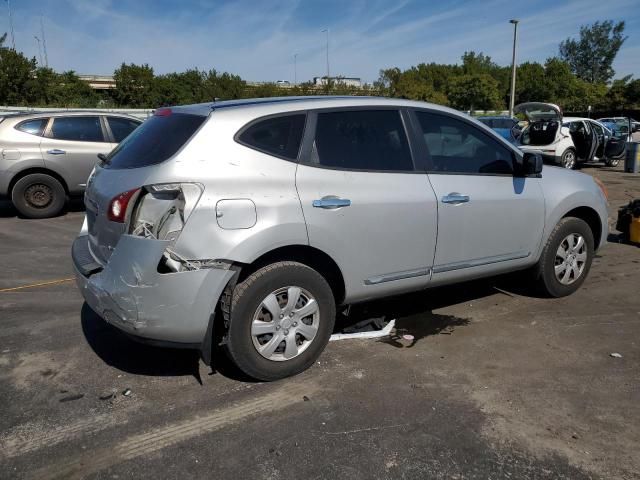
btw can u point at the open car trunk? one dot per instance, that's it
(544, 121)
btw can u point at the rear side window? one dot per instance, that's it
(157, 139)
(362, 140)
(34, 127)
(121, 127)
(456, 146)
(80, 129)
(280, 135)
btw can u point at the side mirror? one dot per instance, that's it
(531, 164)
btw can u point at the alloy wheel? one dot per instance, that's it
(571, 258)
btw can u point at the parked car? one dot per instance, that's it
(506, 127)
(46, 157)
(622, 127)
(246, 223)
(567, 141)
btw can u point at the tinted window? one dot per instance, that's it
(121, 127)
(456, 146)
(277, 135)
(362, 140)
(157, 139)
(34, 127)
(82, 129)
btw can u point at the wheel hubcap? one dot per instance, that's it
(285, 323)
(38, 195)
(569, 159)
(571, 258)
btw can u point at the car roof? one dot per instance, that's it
(304, 103)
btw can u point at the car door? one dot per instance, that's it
(592, 138)
(615, 146)
(70, 146)
(489, 220)
(364, 202)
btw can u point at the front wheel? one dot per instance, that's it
(279, 320)
(568, 159)
(566, 258)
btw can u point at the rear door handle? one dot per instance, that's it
(56, 151)
(455, 197)
(331, 203)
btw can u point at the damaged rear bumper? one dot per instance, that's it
(132, 295)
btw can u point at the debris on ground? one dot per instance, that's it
(615, 355)
(71, 398)
(369, 333)
(126, 392)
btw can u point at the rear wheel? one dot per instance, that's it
(611, 162)
(566, 258)
(38, 195)
(279, 321)
(568, 159)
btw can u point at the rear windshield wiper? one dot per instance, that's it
(104, 160)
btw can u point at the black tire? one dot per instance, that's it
(569, 159)
(38, 195)
(545, 274)
(240, 306)
(612, 162)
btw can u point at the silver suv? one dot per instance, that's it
(46, 157)
(245, 223)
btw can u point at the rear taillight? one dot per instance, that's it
(119, 205)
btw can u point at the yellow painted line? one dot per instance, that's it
(42, 284)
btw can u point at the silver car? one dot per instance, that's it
(47, 157)
(246, 223)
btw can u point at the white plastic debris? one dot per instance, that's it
(126, 392)
(372, 334)
(616, 355)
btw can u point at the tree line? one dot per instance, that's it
(579, 76)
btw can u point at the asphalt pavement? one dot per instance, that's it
(495, 384)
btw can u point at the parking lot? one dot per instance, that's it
(495, 384)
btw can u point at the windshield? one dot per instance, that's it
(156, 140)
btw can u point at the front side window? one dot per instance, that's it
(362, 140)
(121, 127)
(34, 127)
(456, 146)
(279, 135)
(79, 129)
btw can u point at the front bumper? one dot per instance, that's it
(130, 294)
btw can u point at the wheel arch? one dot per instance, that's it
(307, 255)
(42, 170)
(591, 217)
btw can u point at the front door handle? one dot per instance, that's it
(455, 198)
(56, 151)
(331, 203)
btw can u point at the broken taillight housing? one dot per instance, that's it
(119, 206)
(163, 209)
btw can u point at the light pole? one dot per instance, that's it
(328, 74)
(44, 43)
(295, 69)
(39, 50)
(13, 38)
(512, 97)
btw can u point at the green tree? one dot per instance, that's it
(531, 85)
(134, 86)
(591, 56)
(16, 74)
(474, 92)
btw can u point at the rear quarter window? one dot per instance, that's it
(280, 135)
(156, 140)
(34, 127)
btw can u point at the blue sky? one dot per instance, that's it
(257, 39)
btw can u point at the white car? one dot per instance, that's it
(567, 141)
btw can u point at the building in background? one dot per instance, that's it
(348, 81)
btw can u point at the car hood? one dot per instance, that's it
(534, 111)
